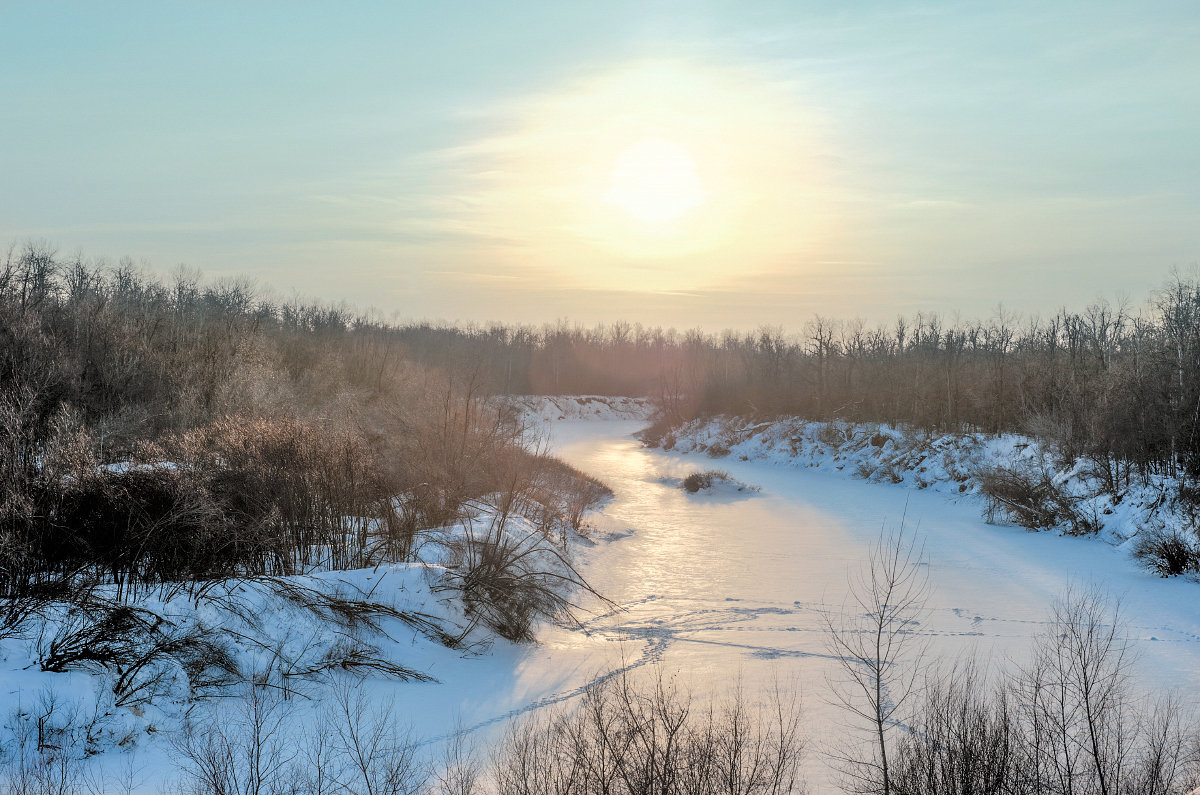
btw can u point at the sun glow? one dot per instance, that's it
(660, 176)
(655, 181)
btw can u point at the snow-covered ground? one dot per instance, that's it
(947, 463)
(716, 587)
(544, 409)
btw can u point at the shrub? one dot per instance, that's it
(698, 481)
(152, 524)
(1066, 722)
(641, 737)
(660, 428)
(890, 470)
(1167, 552)
(140, 648)
(831, 434)
(1032, 500)
(717, 449)
(560, 492)
(510, 578)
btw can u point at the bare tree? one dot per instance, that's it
(246, 753)
(1077, 703)
(877, 653)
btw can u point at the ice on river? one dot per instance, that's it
(738, 587)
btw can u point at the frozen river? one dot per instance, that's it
(729, 586)
(737, 586)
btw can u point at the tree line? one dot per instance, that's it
(1113, 383)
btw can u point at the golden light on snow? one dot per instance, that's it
(655, 181)
(662, 175)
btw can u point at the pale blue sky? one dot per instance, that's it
(418, 157)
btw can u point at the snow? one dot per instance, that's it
(944, 463)
(728, 589)
(716, 588)
(544, 409)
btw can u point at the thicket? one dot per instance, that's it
(156, 431)
(1116, 385)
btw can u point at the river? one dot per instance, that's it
(736, 586)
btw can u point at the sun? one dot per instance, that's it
(655, 181)
(652, 175)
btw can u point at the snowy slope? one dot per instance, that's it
(951, 464)
(553, 408)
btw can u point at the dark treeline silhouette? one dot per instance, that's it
(1116, 386)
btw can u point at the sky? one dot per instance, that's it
(704, 164)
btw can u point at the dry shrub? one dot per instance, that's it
(1032, 500)
(353, 747)
(560, 492)
(832, 434)
(698, 481)
(510, 578)
(660, 432)
(1067, 722)
(963, 739)
(293, 494)
(628, 737)
(142, 650)
(718, 449)
(1167, 552)
(140, 525)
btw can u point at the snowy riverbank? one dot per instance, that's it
(955, 465)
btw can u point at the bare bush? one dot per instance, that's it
(1033, 500)
(718, 449)
(1167, 552)
(511, 577)
(660, 432)
(1067, 723)
(354, 748)
(143, 651)
(629, 738)
(560, 492)
(962, 738)
(246, 753)
(698, 481)
(48, 740)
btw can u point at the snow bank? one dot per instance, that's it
(296, 635)
(953, 464)
(551, 408)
